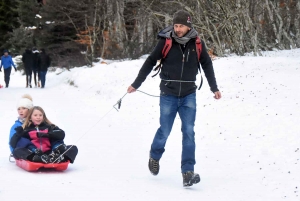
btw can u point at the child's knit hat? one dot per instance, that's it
(25, 101)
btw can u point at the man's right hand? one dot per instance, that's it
(131, 89)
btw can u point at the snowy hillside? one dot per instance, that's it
(248, 142)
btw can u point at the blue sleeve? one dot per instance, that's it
(12, 132)
(23, 142)
(12, 62)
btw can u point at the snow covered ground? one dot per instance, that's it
(248, 143)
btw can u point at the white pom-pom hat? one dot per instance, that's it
(25, 101)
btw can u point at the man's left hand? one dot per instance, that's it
(217, 95)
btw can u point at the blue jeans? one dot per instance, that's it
(186, 108)
(7, 72)
(43, 78)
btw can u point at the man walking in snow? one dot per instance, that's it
(44, 62)
(27, 59)
(35, 69)
(178, 91)
(7, 62)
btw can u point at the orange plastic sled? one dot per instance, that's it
(32, 166)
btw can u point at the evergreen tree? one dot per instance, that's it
(29, 23)
(61, 22)
(8, 21)
(28, 11)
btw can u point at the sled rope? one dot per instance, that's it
(120, 101)
(114, 107)
(83, 134)
(148, 94)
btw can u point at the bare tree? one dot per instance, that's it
(121, 29)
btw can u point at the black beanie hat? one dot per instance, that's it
(182, 17)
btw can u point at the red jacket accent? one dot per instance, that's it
(41, 143)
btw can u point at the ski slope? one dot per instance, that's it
(247, 142)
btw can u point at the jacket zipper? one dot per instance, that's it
(41, 145)
(181, 69)
(187, 59)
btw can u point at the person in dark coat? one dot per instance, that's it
(46, 140)
(7, 62)
(27, 59)
(35, 69)
(44, 62)
(178, 91)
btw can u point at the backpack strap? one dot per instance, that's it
(167, 47)
(199, 51)
(198, 47)
(165, 51)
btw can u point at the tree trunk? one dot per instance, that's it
(297, 23)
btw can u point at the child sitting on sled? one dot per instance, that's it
(23, 106)
(46, 139)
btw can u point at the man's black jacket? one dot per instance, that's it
(178, 65)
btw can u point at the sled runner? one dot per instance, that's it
(32, 166)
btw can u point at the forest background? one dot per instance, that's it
(77, 33)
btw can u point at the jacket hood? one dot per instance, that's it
(166, 32)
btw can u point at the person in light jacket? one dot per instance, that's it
(6, 63)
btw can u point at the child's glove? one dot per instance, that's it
(19, 129)
(42, 134)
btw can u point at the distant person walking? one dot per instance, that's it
(35, 69)
(7, 62)
(44, 62)
(27, 59)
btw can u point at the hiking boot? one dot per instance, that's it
(59, 158)
(45, 158)
(153, 166)
(51, 157)
(190, 178)
(36, 158)
(60, 149)
(55, 157)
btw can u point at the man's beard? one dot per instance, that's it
(178, 33)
